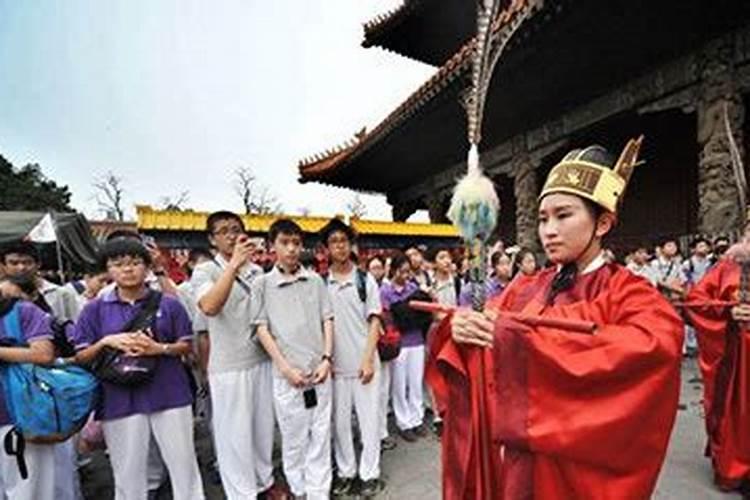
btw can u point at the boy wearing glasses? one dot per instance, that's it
(239, 370)
(159, 407)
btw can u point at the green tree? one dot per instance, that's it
(27, 188)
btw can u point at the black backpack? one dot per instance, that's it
(361, 282)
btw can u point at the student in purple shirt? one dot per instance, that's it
(161, 406)
(408, 367)
(495, 284)
(40, 458)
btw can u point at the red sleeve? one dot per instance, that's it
(603, 404)
(711, 323)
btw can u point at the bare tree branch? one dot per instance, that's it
(256, 198)
(175, 203)
(109, 195)
(356, 207)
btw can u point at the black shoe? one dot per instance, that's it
(342, 486)
(408, 435)
(420, 431)
(388, 444)
(370, 488)
(437, 427)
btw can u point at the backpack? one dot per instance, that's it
(46, 404)
(361, 282)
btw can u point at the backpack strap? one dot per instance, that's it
(457, 287)
(362, 284)
(17, 450)
(12, 324)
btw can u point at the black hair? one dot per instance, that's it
(398, 259)
(123, 248)
(433, 252)
(721, 239)
(670, 240)
(283, 226)
(123, 234)
(699, 239)
(197, 253)
(376, 257)
(221, 215)
(523, 252)
(334, 225)
(20, 248)
(94, 269)
(26, 282)
(495, 258)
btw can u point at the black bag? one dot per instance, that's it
(112, 365)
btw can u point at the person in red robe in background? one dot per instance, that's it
(723, 350)
(569, 415)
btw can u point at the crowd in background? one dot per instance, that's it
(262, 341)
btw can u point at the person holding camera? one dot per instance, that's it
(239, 370)
(295, 326)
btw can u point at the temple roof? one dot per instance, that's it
(430, 31)
(321, 166)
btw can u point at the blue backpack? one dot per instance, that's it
(46, 404)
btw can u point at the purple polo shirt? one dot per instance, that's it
(492, 288)
(35, 326)
(170, 387)
(390, 295)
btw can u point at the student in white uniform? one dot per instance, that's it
(239, 371)
(295, 325)
(355, 299)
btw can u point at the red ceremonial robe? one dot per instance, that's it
(723, 359)
(571, 415)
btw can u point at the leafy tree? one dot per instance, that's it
(27, 188)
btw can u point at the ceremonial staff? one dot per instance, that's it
(475, 205)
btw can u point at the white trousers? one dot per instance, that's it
(243, 423)
(40, 461)
(67, 484)
(385, 398)
(347, 393)
(305, 438)
(408, 376)
(128, 438)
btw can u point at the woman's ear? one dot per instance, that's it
(605, 223)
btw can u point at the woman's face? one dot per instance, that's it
(528, 263)
(566, 227)
(502, 268)
(402, 274)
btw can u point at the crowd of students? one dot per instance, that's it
(288, 347)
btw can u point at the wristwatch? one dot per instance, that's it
(327, 357)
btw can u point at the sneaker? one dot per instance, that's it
(370, 488)
(388, 443)
(420, 431)
(437, 427)
(408, 435)
(342, 486)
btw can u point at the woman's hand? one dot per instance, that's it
(321, 372)
(741, 313)
(472, 327)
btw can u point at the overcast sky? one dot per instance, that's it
(174, 95)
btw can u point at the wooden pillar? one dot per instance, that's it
(526, 190)
(718, 205)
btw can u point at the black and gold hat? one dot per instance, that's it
(587, 173)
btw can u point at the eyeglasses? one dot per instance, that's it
(121, 264)
(338, 241)
(229, 230)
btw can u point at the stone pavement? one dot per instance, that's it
(412, 470)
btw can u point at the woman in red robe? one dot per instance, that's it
(568, 415)
(724, 347)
